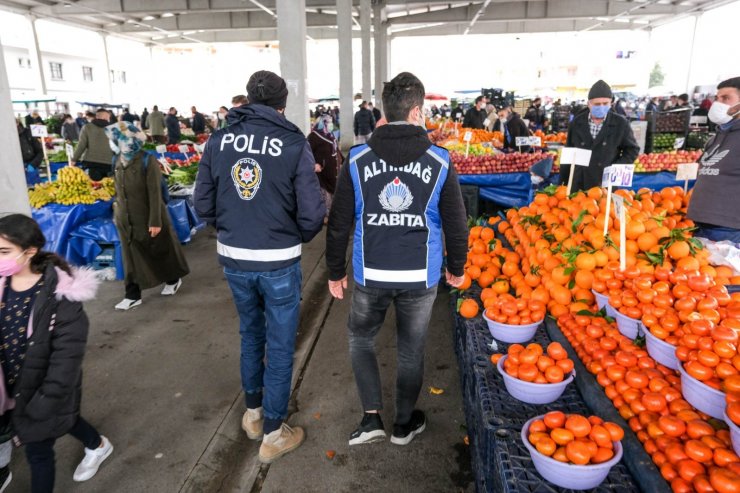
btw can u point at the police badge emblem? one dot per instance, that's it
(396, 196)
(247, 177)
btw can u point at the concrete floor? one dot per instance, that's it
(162, 382)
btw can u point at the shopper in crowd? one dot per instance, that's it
(376, 112)
(152, 254)
(156, 125)
(31, 150)
(397, 257)
(490, 117)
(652, 105)
(458, 113)
(445, 110)
(235, 192)
(619, 107)
(239, 100)
(364, 123)
(683, 102)
(112, 116)
(127, 116)
(718, 183)
(44, 328)
(197, 122)
(476, 115)
(512, 126)
(145, 119)
(607, 135)
(223, 111)
(70, 132)
(173, 127)
(536, 115)
(93, 152)
(80, 121)
(327, 157)
(34, 119)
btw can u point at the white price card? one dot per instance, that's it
(618, 205)
(678, 143)
(39, 131)
(161, 149)
(687, 171)
(199, 148)
(468, 136)
(69, 150)
(576, 156)
(535, 141)
(618, 175)
(165, 165)
(183, 149)
(522, 141)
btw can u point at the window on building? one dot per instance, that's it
(56, 71)
(24, 62)
(87, 74)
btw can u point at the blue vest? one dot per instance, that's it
(398, 229)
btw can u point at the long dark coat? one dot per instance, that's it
(615, 144)
(326, 154)
(147, 261)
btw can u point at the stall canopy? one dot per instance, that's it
(37, 99)
(435, 97)
(101, 105)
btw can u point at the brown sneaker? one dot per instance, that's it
(280, 442)
(252, 422)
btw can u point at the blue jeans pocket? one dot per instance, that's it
(280, 290)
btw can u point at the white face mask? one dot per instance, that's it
(329, 127)
(718, 113)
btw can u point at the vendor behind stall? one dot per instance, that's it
(31, 150)
(512, 126)
(607, 135)
(94, 148)
(714, 200)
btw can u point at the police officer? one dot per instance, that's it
(256, 185)
(402, 193)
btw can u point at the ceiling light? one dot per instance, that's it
(167, 14)
(187, 33)
(172, 35)
(66, 5)
(155, 38)
(201, 30)
(148, 18)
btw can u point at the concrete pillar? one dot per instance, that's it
(689, 88)
(291, 23)
(378, 51)
(346, 112)
(365, 31)
(12, 178)
(39, 61)
(108, 75)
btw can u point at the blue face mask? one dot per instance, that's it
(599, 111)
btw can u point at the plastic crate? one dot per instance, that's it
(511, 470)
(106, 258)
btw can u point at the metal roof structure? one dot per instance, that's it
(212, 21)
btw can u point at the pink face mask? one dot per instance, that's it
(10, 266)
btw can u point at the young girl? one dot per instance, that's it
(43, 332)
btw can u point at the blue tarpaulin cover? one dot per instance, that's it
(507, 189)
(59, 221)
(653, 181)
(84, 243)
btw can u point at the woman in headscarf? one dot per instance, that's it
(151, 251)
(327, 156)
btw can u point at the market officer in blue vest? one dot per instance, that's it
(402, 193)
(257, 186)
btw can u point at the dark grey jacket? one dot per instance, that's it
(364, 122)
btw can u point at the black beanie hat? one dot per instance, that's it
(268, 88)
(600, 90)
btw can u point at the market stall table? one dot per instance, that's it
(653, 181)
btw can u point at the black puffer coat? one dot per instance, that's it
(49, 389)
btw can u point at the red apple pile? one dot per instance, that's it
(514, 162)
(665, 161)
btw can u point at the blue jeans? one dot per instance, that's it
(413, 311)
(268, 304)
(717, 233)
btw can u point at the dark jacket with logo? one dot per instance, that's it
(48, 391)
(257, 186)
(718, 183)
(401, 193)
(615, 144)
(31, 150)
(364, 122)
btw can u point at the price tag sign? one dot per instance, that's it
(522, 141)
(678, 144)
(618, 201)
(687, 171)
(618, 175)
(199, 148)
(39, 131)
(575, 156)
(183, 149)
(69, 150)
(161, 149)
(165, 165)
(535, 141)
(468, 136)
(486, 122)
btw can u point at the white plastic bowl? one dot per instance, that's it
(734, 434)
(601, 299)
(628, 327)
(533, 393)
(703, 397)
(511, 334)
(661, 351)
(570, 476)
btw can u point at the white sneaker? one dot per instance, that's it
(171, 289)
(128, 304)
(93, 458)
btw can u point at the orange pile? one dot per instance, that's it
(574, 439)
(533, 364)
